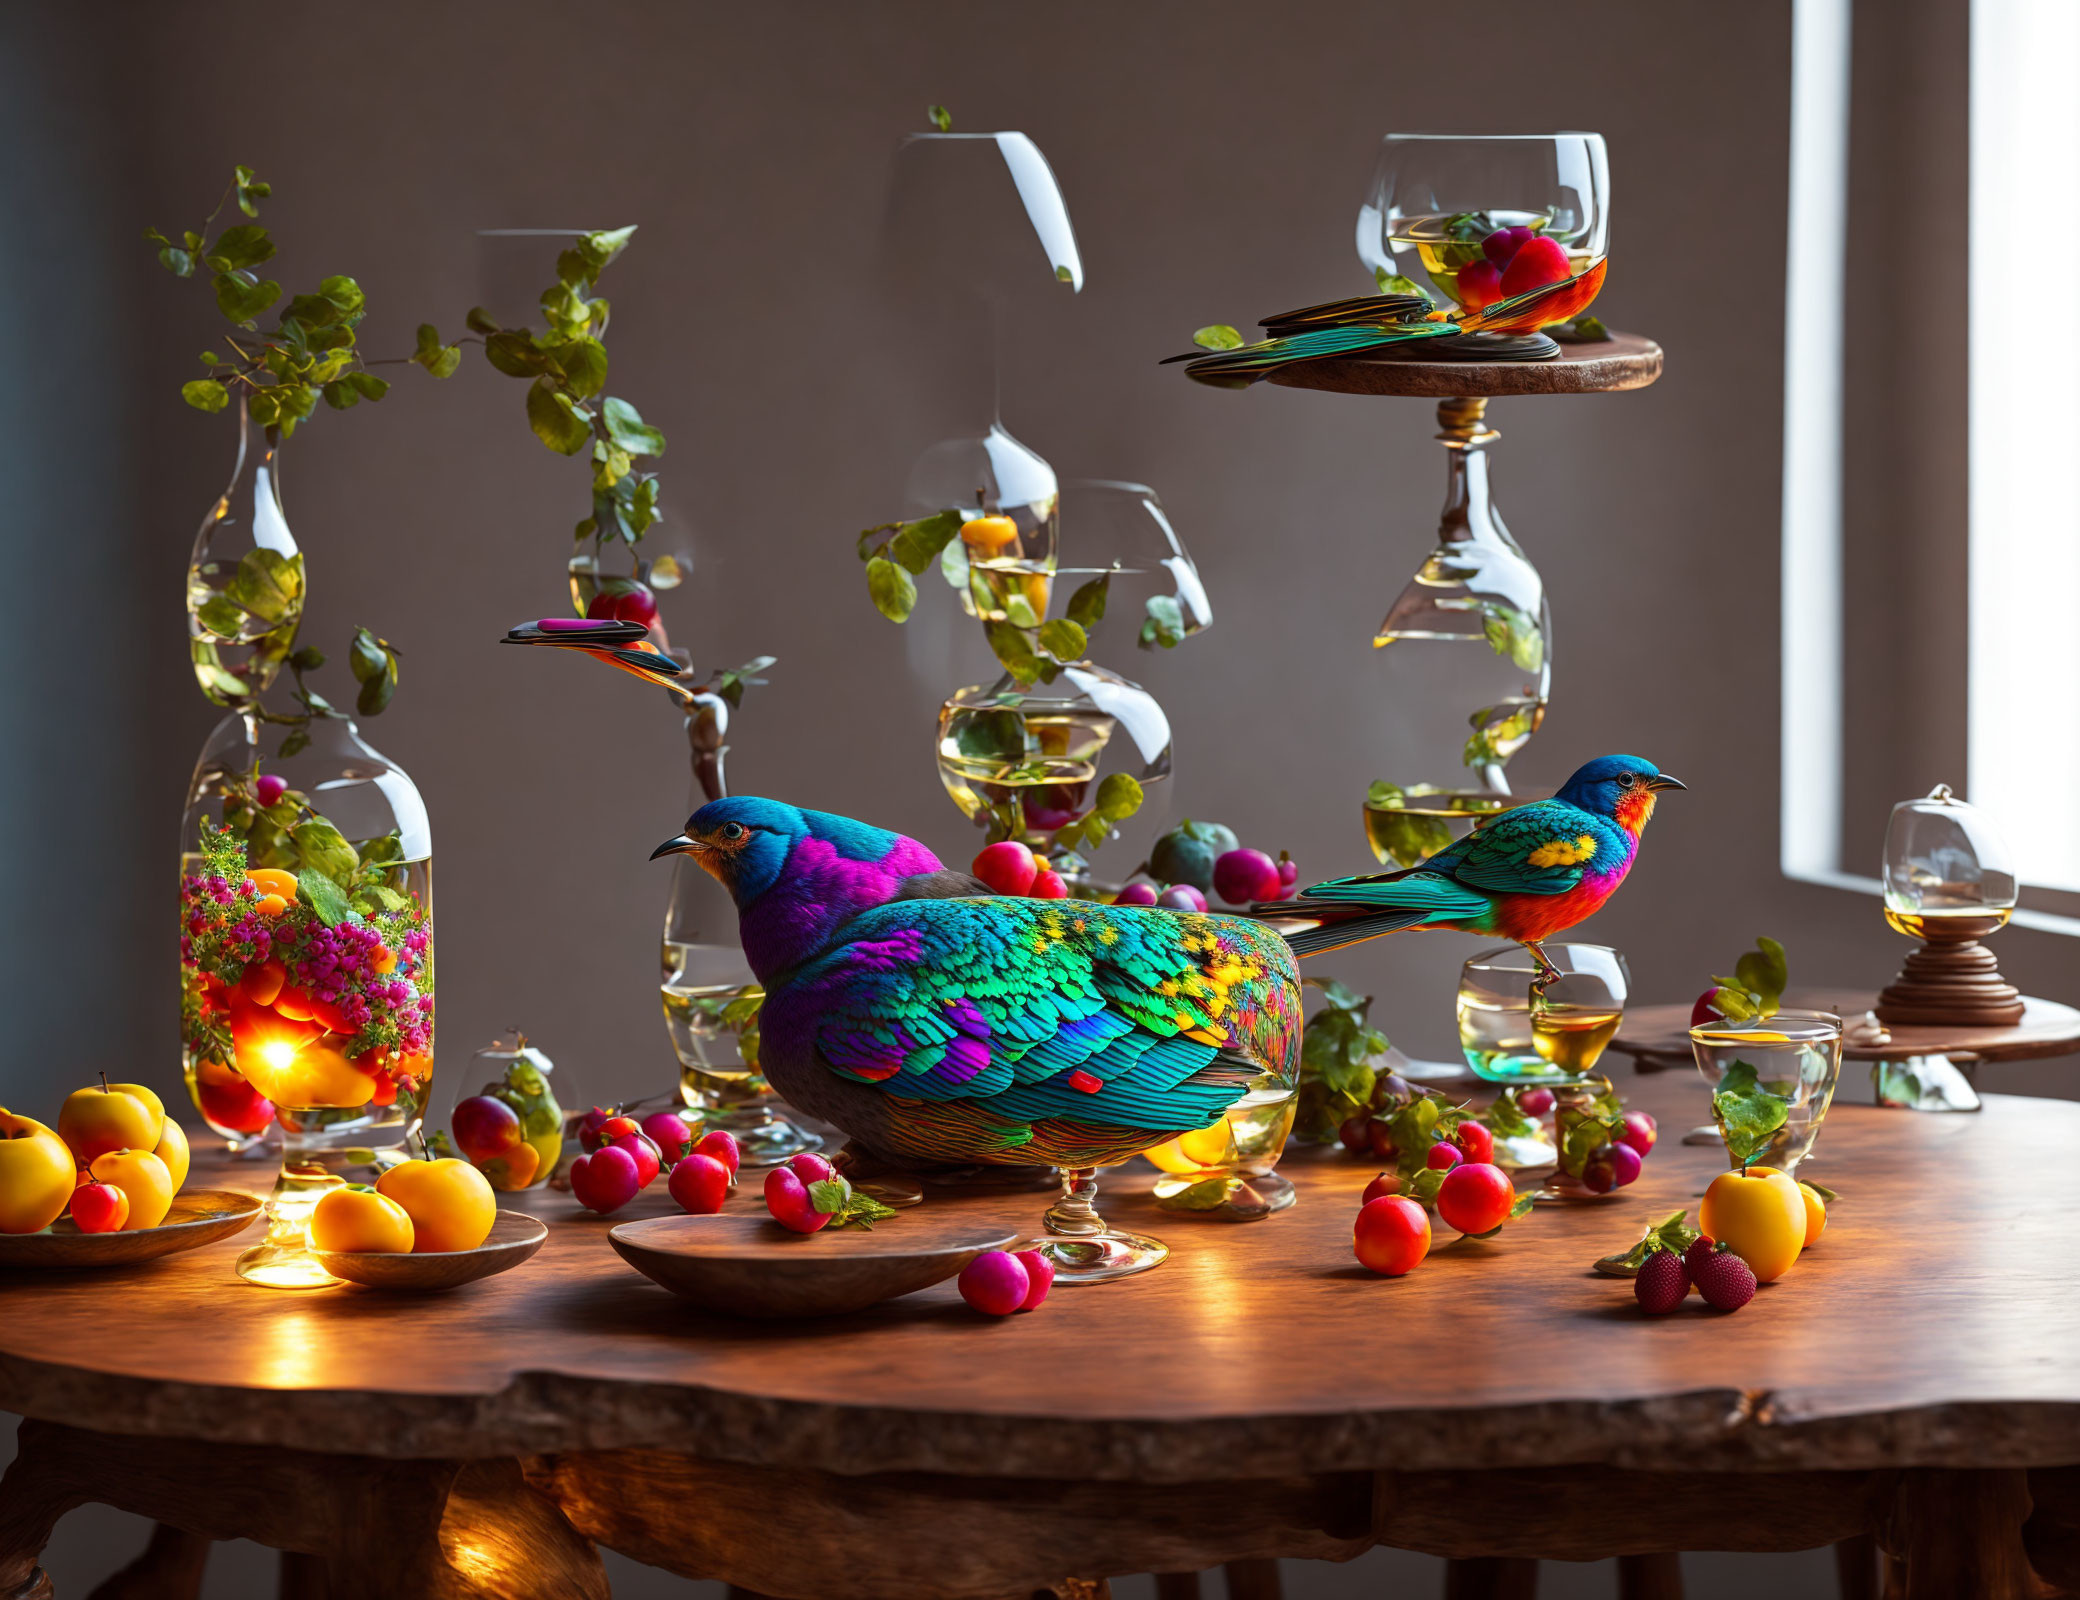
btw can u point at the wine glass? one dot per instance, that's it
(1438, 203)
(1949, 882)
(1796, 1057)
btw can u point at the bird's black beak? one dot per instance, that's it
(1666, 782)
(681, 845)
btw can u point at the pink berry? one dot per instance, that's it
(1625, 1164)
(668, 1131)
(720, 1144)
(1048, 885)
(699, 1184)
(1241, 877)
(591, 1128)
(1479, 285)
(1135, 894)
(1039, 1276)
(811, 1167)
(1288, 872)
(1663, 1283)
(1007, 867)
(1182, 897)
(1639, 1131)
(1534, 1102)
(1538, 261)
(267, 788)
(1475, 1142)
(995, 1283)
(643, 1153)
(787, 1198)
(605, 1181)
(1443, 1157)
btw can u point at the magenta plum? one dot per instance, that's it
(1135, 894)
(590, 1128)
(995, 1283)
(1534, 1102)
(1182, 897)
(605, 1181)
(1538, 261)
(811, 1167)
(643, 1153)
(1479, 284)
(1039, 1275)
(484, 1127)
(267, 788)
(668, 1131)
(719, 1144)
(1625, 1164)
(1007, 867)
(625, 602)
(699, 1184)
(1639, 1131)
(1288, 872)
(1443, 1157)
(1242, 877)
(787, 1198)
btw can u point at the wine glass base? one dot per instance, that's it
(1559, 1189)
(1248, 1199)
(1097, 1257)
(280, 1266)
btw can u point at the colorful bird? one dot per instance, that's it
(619, 644)
(1373, 322)
(938, 1023)
(1526, 874)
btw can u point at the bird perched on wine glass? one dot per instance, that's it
(1374, 321)
(1525, 874)
(938, 1023)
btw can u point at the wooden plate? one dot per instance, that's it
(197, 1217)
(744, 1264)
(514, 1237)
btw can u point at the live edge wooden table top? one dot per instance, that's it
(1937, 1325)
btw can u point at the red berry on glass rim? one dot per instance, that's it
(1639, 1130)
(268, 788)
(1476, 1198)
(605, 1181)
(1039, 1275)
(1135, 894)
(700, 1184)
(1479, 285)
(1538, 261)
(1007, 866)
(1443, 1157)
(1391, 1236)
(1048, 885)
(1288, 872)
(995, 1283)
(1475, 1142)
(719, 1144)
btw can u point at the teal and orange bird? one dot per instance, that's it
(1375, 321)
(625, 645)
(1527, 874)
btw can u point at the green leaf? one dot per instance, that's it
(829, 1195)
(1764, 972)
(861, 1210)
(893, 592)
(309, 659)
(917, 544)
(323, 848)
(1217, 336)
(1513, 633)
(602, 247)
(1396, 283)
(1208, 1194)
(1164, 625)
(940, 118)
(181, 263)
(554, 419)
(1063, 639)
(1087, 604)
(249, 190)
(1672, 1233)
(373, 662)
(1119, 796)
(206, 394)
(583, 363)
(341, 396)
(480, 321)
(627, 429)
(1015, 651)
(368, 385)
(515, 354)
(439, 359)
(1747, 1113)
(1584, 329)
(220, 617)
(241, 299)
(267, 584)
(318, 891)
(295, 740)
(244, 246)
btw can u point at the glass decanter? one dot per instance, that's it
(245, 578)
(307, 967)
(1949, 882)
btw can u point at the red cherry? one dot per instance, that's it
(995, 1283)
(1538, 261)
(719, 1144)
(235, 1107)
(1007, 867)
(589, 1126)
(484, 1127)
(1475, 1141)
(605, 1181)
(1391, 1235)
(787, 1198)
(626, 601)
(668, 1131)
(616, 1126)
(267, 788)
(1639, 1130)
(1498, 247)
(1048, 885)
(1706, 1008)
(99, 1208)
(1356, 1134)
(645, 1155)
(1288, 872)
(1039, 1274)
(1380, 1187)
(1443, 1157)
(1476, 1198)
(1479, 285)
(699, 1184)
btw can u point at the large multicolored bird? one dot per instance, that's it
(937, 1023)
(1527, 874)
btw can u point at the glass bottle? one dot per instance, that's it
(245, 578)
(307, 964)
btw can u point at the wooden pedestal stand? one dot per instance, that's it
(1951, 981)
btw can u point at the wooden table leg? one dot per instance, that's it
(1255, 1579)
(1856, 1567)
(2052, 1533)
(1177, 1586)
(301, 1577)
(34, 1494)
(1954, 1533)
(169, 1568)
(1490, 1578)
(1650, 1577)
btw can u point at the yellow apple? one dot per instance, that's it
(142, 1177)
(36, 1175)
(172, 1149)
(1759, 1215)
(109, 1116)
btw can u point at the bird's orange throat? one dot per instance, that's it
(1634, 809)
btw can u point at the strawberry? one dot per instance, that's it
(1662, 1284)
(1705, 1245)
(1725, 1280)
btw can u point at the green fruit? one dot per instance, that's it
(1186, 853)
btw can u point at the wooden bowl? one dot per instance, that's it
(514, 1237)
(744, 1264)
(197, 1217)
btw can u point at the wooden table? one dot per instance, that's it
(1916, 1377)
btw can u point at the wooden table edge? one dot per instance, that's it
(540, 1413)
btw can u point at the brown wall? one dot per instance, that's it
(1212, 155)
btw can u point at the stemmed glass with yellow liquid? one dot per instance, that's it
(1796, 1057)
(1522, 1030)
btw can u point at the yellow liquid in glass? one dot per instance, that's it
(1573, 1037)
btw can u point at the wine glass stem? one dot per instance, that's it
(1075, 1214)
